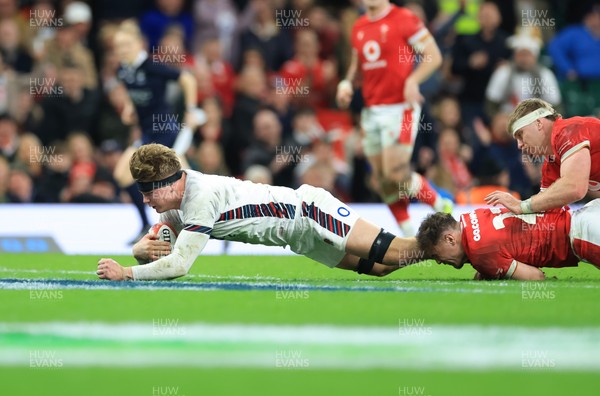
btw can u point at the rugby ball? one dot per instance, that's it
(164, 232)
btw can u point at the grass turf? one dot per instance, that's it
(434, 295)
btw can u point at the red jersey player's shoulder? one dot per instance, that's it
(403, 16)
(571, 134)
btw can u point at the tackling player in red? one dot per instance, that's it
(571, 151)
(387, 42)
(502, 245)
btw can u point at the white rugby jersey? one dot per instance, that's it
(231, 209)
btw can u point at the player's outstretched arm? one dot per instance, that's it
(570, 187)
(527, 272)
(188, 246)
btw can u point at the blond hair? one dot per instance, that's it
(526, 107)
(152, 162)
(131, 27)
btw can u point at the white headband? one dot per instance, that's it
(529, 118)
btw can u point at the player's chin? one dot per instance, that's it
(458, 265)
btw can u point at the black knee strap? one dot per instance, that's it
(365, 266)
(380, 246)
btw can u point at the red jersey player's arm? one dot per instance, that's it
(431, 55)
(571, 186)
(526, 272)
(351, 73)
(344, 92)
(432, 60)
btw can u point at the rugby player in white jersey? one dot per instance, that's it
(198, 206)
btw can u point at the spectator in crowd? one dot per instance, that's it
(9, 137)
(78, 15)
(208, 158)
(44, 24)
(15, 55)
(574, 50)
(270, 150)
(474, 59)
(55, 174)
(65, 49)
(327, 29)
(20, 186)
(171, 49)
(452, 171)
(9, 10)
(69, 107)
(523, 78)
(217, 19)
(9, 86)
(4, 176)
(308, 79)
(31, 155)
(274, 44)
(222, 75)
(258, 174)
(250, 97)
(154, 23)
(498, 147)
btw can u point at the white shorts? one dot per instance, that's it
(585, 232)
(321, 227)
(388, 125)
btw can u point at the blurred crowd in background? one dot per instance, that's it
(267, 72)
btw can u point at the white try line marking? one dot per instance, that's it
(412, 344)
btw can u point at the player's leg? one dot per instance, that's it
(585, 232)
(371, 121)
(373, 244)
(398, 145)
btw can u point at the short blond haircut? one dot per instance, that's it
(153, 162)
(131, 27)
(526, 107)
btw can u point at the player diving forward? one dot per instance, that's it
(500, 244)
(310, 220)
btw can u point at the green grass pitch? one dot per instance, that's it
(250, 325)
